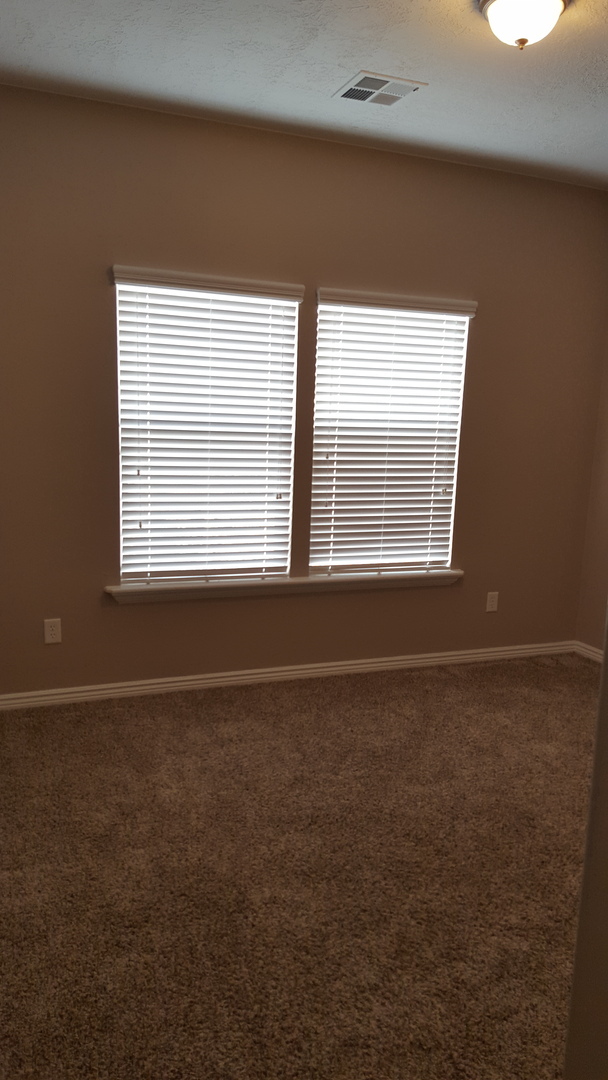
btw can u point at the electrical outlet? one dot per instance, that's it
(492, 601)
(52, 631)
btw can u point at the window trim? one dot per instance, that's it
(154, 592)
(397, 300)
(175, 279)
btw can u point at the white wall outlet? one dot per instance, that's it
(52, 631)
(492, 601)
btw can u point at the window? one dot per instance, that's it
(207, 377)
(387, 419)
(206, 429)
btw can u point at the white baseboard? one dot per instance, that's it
(298, 671)
(588, 650)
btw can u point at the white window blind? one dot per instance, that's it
(388, 403)
(206, 430)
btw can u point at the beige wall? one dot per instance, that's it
(594, 578)
(84, 185)
(587, 1043)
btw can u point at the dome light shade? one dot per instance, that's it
(522, 22)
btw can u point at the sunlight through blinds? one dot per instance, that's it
(206, 427)
(388, 402)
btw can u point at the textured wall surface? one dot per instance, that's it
(279, 62)
(87, 185)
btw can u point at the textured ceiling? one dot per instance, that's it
(277, 63)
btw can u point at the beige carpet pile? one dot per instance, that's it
(370, 877)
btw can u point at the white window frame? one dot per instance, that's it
(320, 578)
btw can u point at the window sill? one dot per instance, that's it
(138, 593)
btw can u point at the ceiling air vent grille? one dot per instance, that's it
(378, 89)
(359, 95)
(386, 99)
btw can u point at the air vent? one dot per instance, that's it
(378, 89)
(385, 99)
(359, 95)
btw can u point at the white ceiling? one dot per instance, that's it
(277, 63)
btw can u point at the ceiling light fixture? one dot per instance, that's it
(522, 22)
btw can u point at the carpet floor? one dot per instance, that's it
(370, 877)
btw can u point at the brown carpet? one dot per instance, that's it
(370, 877)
